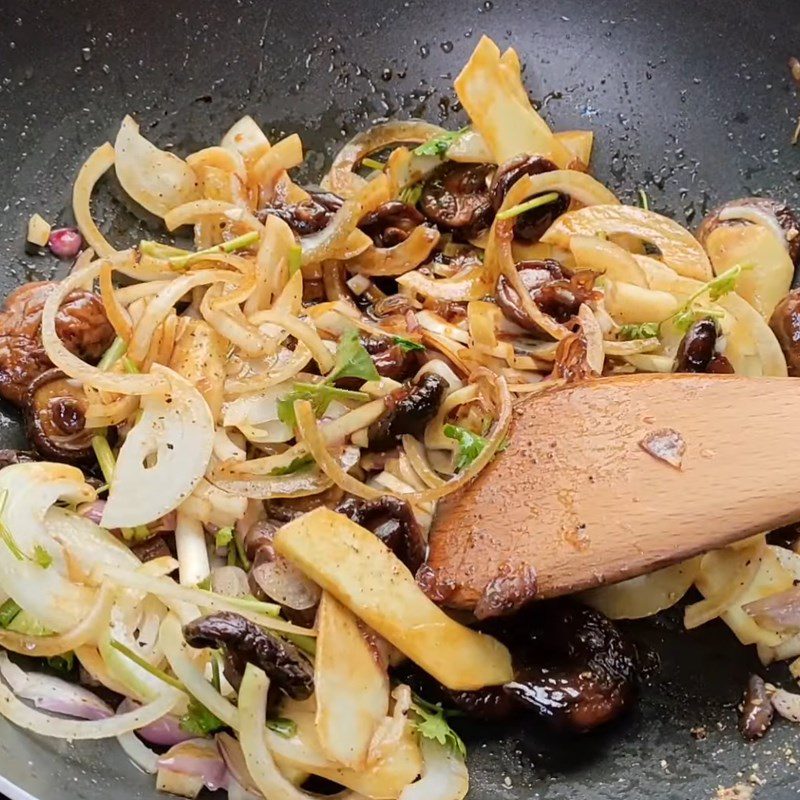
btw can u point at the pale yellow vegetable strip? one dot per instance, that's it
(362, 573)
(490, 94)
(91, 171)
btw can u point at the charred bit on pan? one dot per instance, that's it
(756, 711)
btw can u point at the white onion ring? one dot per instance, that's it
(45, 725)
(92, 170)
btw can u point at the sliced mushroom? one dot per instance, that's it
(391, 359)
(393, 522)
(758, 233)
(556, 295)
(572, 669)
(55, 417)
(408, 410)
(529, 225)
(785, 324)
(456, 197)
(390, 223)
(307, 216)
(697, 347)
(245, 642)
(81, 324)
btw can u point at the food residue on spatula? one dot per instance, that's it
(665, 444)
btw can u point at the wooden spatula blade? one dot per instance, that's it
(577, 500)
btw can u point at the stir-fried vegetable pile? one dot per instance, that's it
(238, 449)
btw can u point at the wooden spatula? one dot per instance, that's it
(583, 495)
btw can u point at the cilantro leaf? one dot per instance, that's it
(439, 145)
(198, 720)
(646, 330)
(724, 283)
(282, 726)
(352, 360)
(41, 557)
(320, 395)
(470, 444)
(433, 725)
(684, 319)
(295, 465)
(407, 345)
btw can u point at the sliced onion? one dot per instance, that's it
(645, 595)
(224, 158)
(302, 483)
(679, 249)
(247, 139)
(779, 612)
(463, 288)
(494, 439)
(301, 331)
(92, 170)
(50, 595)
(259, 761)
(73, 366)
(415, 451)
(397, 260)
(138, 752)
(53, 694)
(157, 180)
(232, 755)
(166, 731)
(46, 646)
(341, 178)
(176, 427)
(198, 757)
(116, 314)
(175, 649)
(444, 774)
(168, 590)
(328, 242)
(45, 725)
(198, 210)
(164, 302)
(311, 437)
(282, 156)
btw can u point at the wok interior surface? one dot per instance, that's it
(689, 100)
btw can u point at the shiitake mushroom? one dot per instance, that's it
(55, 418)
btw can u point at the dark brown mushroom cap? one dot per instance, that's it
(81, 324)
(307, 216)
(391, 359)
(390, 223)
(557, 295)
(456, 197)
(572, 669)
(534, 275)
(393, 522)
(55, 418)
(245, 642)
(530, 225)
(785, 324)
(8, 457)
(782, 214)
(408, 410)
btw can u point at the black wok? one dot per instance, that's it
(690, 100)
